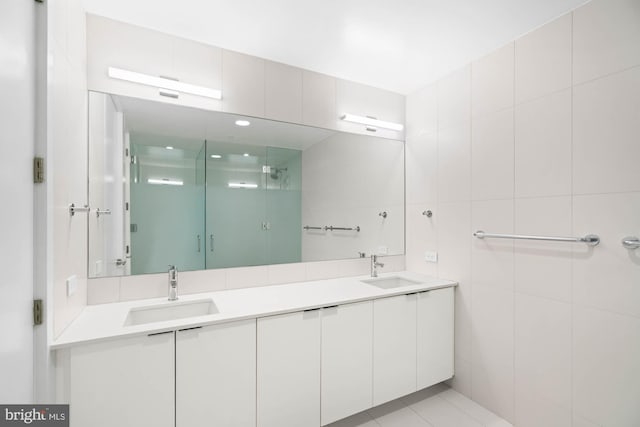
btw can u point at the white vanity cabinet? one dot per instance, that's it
(347, 360)
(216, 375)
(394, 347)
(289, 370)
(306, 368)
(127, 382)
(435, 332)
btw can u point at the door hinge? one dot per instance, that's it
(37, 312)
(38, 170)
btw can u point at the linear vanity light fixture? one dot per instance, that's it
(242, 185)
(163, 83)
(371, 121)
(164, 181)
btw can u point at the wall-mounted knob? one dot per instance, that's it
(631, 242)
(383, 214)
(427, 213)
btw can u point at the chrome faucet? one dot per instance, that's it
(173, 283)
(374, 265)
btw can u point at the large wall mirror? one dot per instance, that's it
(201, 189)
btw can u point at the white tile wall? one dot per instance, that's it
(543, 60)
(492, 156)
(423, 240)
(546, 332)
(423, 108)
(543, 146)
(608, 276)
(543, 268)
(542, 362)
(453, 98)
(454, 163)
(492, 82)
(492, 368)
(421, 168)
(606, 354)
(605, 134)
(606, 37)
(492, 259)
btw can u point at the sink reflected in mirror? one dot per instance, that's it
(170, 311)
(390, 282)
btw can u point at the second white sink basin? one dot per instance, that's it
(170, 311)
(390, 282)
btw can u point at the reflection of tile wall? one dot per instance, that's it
(539, 137)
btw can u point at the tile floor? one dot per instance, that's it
(437, 406)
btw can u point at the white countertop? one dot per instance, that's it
(107, 321)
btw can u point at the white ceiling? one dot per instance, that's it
(398, 45)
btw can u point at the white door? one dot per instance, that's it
(394, 347)
(347, 360)
(128, 382)
(289, 370)
(216, 375)
(435, 336)
(17, 121)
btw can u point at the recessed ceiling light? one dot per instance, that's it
(246, 155)
(243, 122)
(216, 156)
(168, 147)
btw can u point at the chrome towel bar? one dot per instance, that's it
(332, 228)
(589, 239)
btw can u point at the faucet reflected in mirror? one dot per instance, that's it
(374, 265)
(175, 177)
(173, 283)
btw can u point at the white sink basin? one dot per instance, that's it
(170, 311)
(390, 282)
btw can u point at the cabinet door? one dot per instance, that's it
(126, 383)
(216, 375)
(116, 44)
(435, 336)
(289, 370)
(242, 84)
(319, 100)
(197, 64)
(347, 360)
(394, 347)
(283, 92)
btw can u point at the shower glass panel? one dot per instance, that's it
(283, 175)
(235, 205)
(167, 203)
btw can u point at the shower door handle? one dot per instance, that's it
(199, 243)
(211, 242)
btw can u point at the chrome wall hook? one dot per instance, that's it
(73, 209)
(631, 242)
(383, 214)
(427, 213)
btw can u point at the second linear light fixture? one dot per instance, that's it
(371, 122)
(164, 83)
